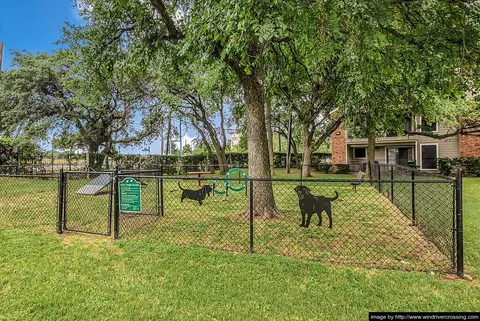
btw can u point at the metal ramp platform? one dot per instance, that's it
(95, 185)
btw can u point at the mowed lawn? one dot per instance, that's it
(76, 276)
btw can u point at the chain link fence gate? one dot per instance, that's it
(393, 221)
(370, 227)
(86, 202)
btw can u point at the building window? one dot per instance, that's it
(429, 156)
(360, 153)
(399, 155)
(428, 127)
(408, 123)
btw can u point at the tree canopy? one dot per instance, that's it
(370, 61)
(58, 93)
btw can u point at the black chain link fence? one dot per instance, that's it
(28, 202)
(368, 229)
(427, 199)
(397, 220)
(88, 202)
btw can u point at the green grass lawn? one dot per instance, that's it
(77, 276)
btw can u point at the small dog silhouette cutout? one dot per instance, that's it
(311, 204)
(197, 195)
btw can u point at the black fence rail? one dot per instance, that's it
(429, 200)
(394, 221)
(357, 226)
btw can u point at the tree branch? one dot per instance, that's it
(160, 7)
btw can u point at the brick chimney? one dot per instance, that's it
(339, 151)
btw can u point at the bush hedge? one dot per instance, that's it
(470, 165)
(320, 161)
(8, 154)
(342, 168)
(133, 161)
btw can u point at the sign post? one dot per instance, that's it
(130, 196)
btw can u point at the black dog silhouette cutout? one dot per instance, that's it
(310, 204)
(197, 195)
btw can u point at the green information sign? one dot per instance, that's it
(130, 196)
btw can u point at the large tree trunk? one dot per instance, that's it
(307, 159)
(222, 159)
(268, 124)
(95, 160)
(295, 153)
(222, 163)
(307, 151)
(258, 156)
(106, 151)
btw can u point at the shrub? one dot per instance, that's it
(342, 168)
(471, 165)
(326, 168)
(445, 166)
(413, 165)
(194, 161)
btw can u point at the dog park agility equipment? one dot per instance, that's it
(228, 179)
(95, 185)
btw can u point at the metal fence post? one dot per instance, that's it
(65, 199)
(391, 183)
(370, 172)
(414, 218)
(379, 178)
(52, 162)
(162, 206)
(301, 174)
(251, 213)
(454, 225)
(111, 200)
(60, 206)
(459, 216)
(116, 208)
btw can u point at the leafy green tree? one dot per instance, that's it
(306, 77)
(203, 94)
(404, 57)
(59, 94)
(236, 33)
(187, 149)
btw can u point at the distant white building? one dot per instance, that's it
(76, 150)
(235, 138)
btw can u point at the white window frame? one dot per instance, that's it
(413, 147)
(421, 156)
(412, 124)
(353, 153)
